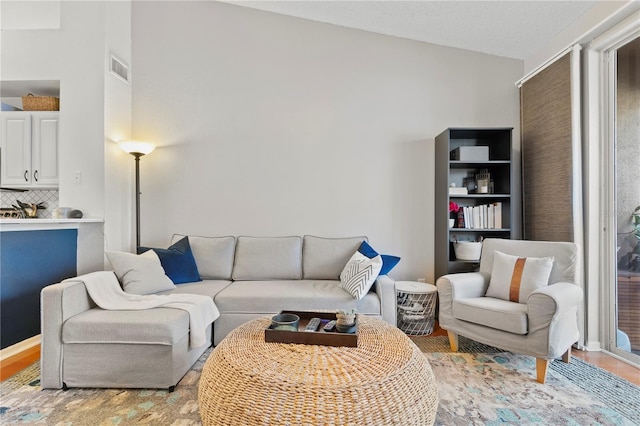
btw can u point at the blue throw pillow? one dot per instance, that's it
(388, 262)
(177, 261)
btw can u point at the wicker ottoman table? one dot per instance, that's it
(386, 380)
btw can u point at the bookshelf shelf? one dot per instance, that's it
(448, 171)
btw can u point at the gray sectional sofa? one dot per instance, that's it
(248, 277)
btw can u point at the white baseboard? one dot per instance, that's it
(19, 347)
(591, 346)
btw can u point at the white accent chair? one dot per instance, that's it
(545, 326)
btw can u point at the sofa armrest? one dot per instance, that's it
(385, 287)
(58, 303)
(458, 286)
(552, 312)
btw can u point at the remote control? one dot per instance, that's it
(313, 324)
(329, 326)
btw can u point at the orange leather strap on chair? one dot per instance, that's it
(516, 280)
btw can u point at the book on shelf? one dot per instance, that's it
(485, 216)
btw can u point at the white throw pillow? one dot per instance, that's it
(140, 274)
(514, 278)
(359, 274)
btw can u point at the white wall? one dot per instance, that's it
(117, 126)
(273, 125)
(73, 54)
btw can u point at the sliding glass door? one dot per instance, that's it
(624, 306)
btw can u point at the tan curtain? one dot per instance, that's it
(547, 154)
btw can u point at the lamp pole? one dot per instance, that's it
(137, 149)
(137, 156)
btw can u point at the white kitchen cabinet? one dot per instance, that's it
(29, 144)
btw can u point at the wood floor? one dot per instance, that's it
(22, 360)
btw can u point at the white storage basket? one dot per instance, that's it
(467, 250)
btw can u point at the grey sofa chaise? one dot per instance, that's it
(248, 277)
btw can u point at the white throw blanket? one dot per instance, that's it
(105, 291)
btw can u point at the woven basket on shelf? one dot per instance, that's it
(40, 103)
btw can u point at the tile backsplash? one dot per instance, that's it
(48, 197)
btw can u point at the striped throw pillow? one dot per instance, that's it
(514, 278)
(359, 274)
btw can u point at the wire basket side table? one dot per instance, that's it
(416, 307)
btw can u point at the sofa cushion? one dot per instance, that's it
(205, 288)
(213, 255)
(304, 295)
(514, 278)
(359, 274)
(496, 313)
(140, 274)
(163, 326)
(268, 258)
(325, 258)
(177, 261)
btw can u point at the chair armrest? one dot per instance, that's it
(463, 285)
(458, 286)
(553, 317)
(385, 287)
(58, 303)
(554, 298)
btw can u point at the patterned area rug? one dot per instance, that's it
(479, 385)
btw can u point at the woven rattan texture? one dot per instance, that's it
(386, 380)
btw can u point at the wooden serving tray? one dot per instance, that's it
(320, 337)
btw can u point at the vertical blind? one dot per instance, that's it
(551, 171)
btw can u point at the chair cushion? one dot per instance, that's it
(514, 278)
(324, 258)
(213, 255)
(494, 313)
(268, 258)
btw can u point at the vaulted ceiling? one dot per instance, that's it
(514, 29)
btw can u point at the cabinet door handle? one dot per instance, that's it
(35, 175)
(26, 175)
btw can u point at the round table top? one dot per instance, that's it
(385, 380)
(382, 350)
(415, 287)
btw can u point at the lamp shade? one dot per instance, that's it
(136, 147)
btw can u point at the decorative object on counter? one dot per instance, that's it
(75, 214)
(40, 103)
(137, 149)
(61, 212)
(11, 213)
(29, 210)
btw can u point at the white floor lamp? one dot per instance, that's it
(137, 149)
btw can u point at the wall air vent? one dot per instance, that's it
(119, 69)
